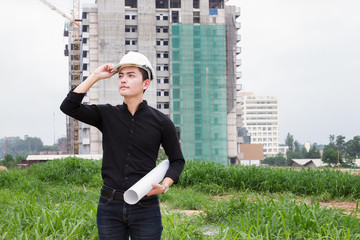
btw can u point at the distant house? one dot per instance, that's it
(357, 162)
(32, 159)
(52, 157)
(314, 163)
(307, 163)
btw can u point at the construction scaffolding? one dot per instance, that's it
(75, 40)
(199, 90)
(75, 74)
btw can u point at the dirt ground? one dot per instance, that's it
(350, 171)
(346, 207)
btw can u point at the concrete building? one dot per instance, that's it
(251, 154)
(283, 149)
(260, 117)
(192, 44)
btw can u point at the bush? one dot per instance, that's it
(69, 170)
(9, 178)
(10, 162)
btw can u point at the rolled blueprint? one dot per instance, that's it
(144, 185)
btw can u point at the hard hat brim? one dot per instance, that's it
(118, 67)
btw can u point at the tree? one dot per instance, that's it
(340, 143)
(296, 146)
(332, 139)
(294, 151)
(21, 147)
(289, 141)
(331, 157)
(340, 140)
(313, 153)
(10, 162)
(304, 152)
(331, 144)
(278, 160)
(352, 147)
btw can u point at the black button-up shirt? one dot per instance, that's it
(130, 142)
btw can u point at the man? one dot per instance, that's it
(132, 134)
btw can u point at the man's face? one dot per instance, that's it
(131, 82)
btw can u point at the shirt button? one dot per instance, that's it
(126, 178)
(132, 120)
(128, 154)
(127, 165)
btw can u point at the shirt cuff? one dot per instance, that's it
(75, 97)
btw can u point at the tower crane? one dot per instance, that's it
(72, 125)
(52, 7)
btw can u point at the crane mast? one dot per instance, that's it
(75, 40)
(76, 70)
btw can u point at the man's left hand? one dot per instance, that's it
(156, 190)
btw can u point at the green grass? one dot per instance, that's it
(58, 200)
(280, 218)
(249, 215)
(306, 181)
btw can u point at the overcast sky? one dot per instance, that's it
(305, 52)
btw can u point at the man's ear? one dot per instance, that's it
(146, 84)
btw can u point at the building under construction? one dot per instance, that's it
(192, 44)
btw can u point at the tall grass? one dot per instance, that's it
(58, 200)
(52, 200)
(280, 218)
(305, 181)
(253, 216)
(69, 171)
(66, 171)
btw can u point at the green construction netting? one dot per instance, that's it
(199, 90)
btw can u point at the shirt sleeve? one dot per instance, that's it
(171, 145)
(73, 107)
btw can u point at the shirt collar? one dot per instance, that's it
(141, 106)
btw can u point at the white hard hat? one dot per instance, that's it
(135, 59)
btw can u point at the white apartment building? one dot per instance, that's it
(261, 119)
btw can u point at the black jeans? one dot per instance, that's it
(118, 220)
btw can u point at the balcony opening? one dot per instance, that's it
(196, 17)
(131, 3)
(162, 3)
(175, 16)
(175, 3)
(216, 4)
(196, 3)
(85, 28)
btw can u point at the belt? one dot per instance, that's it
(118, 195)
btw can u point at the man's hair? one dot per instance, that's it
(144, 74)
